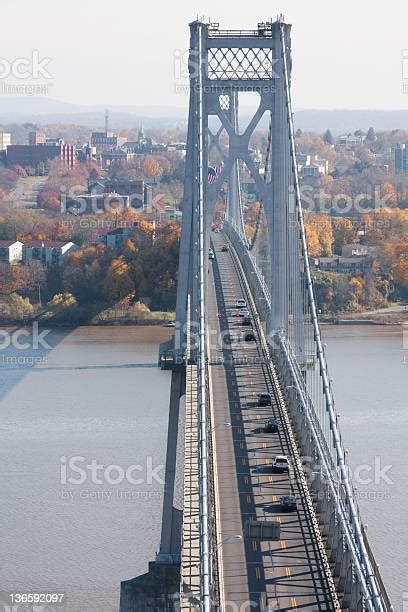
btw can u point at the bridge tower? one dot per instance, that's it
(229, 62)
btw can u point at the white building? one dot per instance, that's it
(48, 252)
(11, 251)
(5, 140)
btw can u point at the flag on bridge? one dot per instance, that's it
(213, 173)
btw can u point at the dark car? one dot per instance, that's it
(288, 503)
(247, 321)
(264, 399)
(249, 336)
(271, 426)
(225, 248)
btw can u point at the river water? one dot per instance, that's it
(94, 397)
(369, 366)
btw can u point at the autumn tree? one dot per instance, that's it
(151, 167)
(344, 232)
(117, 283)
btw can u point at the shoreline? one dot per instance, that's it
(107, 323)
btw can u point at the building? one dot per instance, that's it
(358, 250)
(401, 159)
(103, 141)
(48, 252)
(311, 166)
(116, 158)
(114, 238)
(11, 251)
(356, 266)
(33, 155)
(36, 138)
(139, 192)
(350, 140)
(5, 140)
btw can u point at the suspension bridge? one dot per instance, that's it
(232, 545)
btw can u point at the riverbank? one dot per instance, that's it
(71, 315)
(392, 315)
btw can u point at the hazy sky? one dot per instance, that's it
(347, 54)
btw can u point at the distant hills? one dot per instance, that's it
(47, 110)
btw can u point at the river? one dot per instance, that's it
(369, 367)
(94, 397)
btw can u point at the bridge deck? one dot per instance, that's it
(288, 574)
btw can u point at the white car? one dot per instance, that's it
(244, 312)
(281, 463)
(241, 303)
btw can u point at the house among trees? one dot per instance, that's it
(11, 251)
(114, 238)
(48, 252)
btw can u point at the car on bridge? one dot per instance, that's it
(264, 399)
(249, 336)
(247, 321)
(288, 503)
(244, 312)
(280, 463)
(240, 303)
(211, 254)
(271, 426)
(225, 248)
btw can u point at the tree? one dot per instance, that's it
(117, 283)
(389, 193)
(152, 167)
(319, 234)
(15, 308)
(328, 137)
(344, 232)
(371, 137)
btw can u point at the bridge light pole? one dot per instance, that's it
(232, 538)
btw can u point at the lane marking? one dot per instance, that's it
(258, 573)
(288, 572)
(283, 544)
(254, 545)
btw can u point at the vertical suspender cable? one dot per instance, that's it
(202, 379)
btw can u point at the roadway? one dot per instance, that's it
(287, 574)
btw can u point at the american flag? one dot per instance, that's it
(213, 172)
